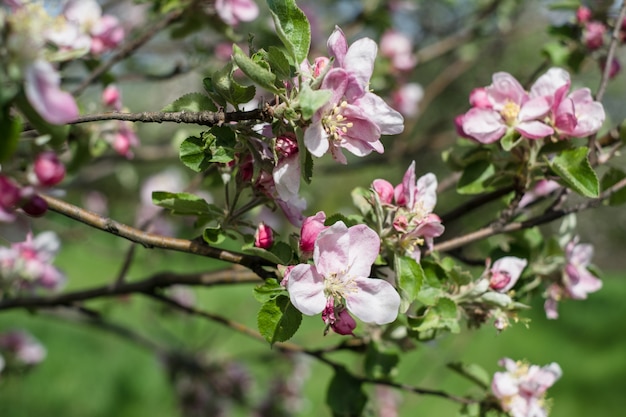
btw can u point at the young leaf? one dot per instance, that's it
(292, 28)
(279, 62)
(311, 100)
(268, 291)
(194, 154)
(278, 320)
(225, 86)
(193, 102)
(222, 142)
(410, 277)
(345, 395)
(257, 73)
(441, 316)
(213, 235)
(185, 204)
(574, 169)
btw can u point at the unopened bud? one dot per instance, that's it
(48, 169)
(264, 237)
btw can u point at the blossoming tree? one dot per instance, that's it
(382, 277)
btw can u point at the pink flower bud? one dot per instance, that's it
(583, 14)
(311, 227)
(499, 280)
(319, 64)
(9, 193)
(407, 99)
(479, 98)
(344, 323)
(593, 35)
(264, 237)
(48, 169)
(458, 125)
(286, 146)
(615, 69)
(111, 97)
(35, 207)
(384, 189)
(106, 34)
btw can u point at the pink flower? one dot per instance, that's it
(542, 188)
(521, 389)
(407, 99)
(234, 11)
(42, 87)
(593, 35)
(24, 347)
(511, 108)
(48, 170)
(399, 48)
(505, 272)
(616, 67)
(338, 318)
(9, 198)
(311, 228)
(583, 14)
(105, 31)
(263, 237)
(343, 258)
(30, 262)
(354, 118)
(577, 279)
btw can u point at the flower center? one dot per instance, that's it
(509, 112)
(335, 123)
(339, 285)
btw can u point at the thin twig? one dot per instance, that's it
(615, 39)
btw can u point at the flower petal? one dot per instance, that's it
(534, 129)
(338, 45)
(306, 289)
(483, 125)
(376, 301)
(364, 248)
(360, 60)
(316, 139)
(42, 86)
(331, 250)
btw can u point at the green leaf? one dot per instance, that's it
(573, 167)
(278, 320)
(410, 276)
(224, 85)
(194, 154)
(214, 235)
(557, 53)
(345, 395)
(185, 204)
(257, 73)
(222, 142)
(209, 87)
(612, 177)
(279, 62)
(270, 289)
(380, 362)
(510, 140)
(475, 177)
(280, 254)
(11, 128)
(311, 100)
(193, 102)
(443, 315)
(292, 28)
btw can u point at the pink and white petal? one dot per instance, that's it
(511, 265)
(337, 154)
(590, 119)
(337, 80)
(245, 10)
(406, 191)
(376, 301)
(549, 83)
(389, 121)
(483, 125)
(534, 129)
(358, 148)
(384, 189)
(316, 139)
(505, 88)
(364, 248)
(533, 109)
(42, 87)
(427, 191)
(306, 289)
(287, 177)
(504, 385)
(331, 252)
(360, 60)
(337, 46)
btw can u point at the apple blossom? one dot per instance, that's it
(48, 169)
(521, 389)
(407, 99)
(112, 98)
(42, 87)
(234, 11)
(583, 14)
(9, 198)
(399, 48)
(505, 272)
(593, 35)
(311, 228)
(106, 31)
(343, 258)
(22, 346)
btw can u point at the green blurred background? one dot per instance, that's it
(91, 372)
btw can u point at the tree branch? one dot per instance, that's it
(150, 240)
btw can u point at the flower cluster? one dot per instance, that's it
(119, 134)
(19, 348)
(35, 40)
(338, 282)
(408, 220)
(26, 266)
(575, 280)
(354, 118)
(547, 110)
(521, 389)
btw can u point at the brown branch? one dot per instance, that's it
(147, 285)
(205, 118)
(151, 240)
(547, 217)
(615, 39)
(128, 48)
